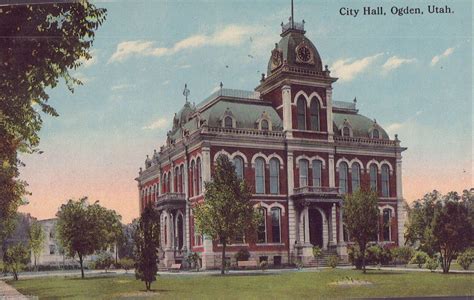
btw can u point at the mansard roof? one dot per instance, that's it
(361, 125)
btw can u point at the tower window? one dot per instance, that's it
(343, 178)
(259, 176)
(373, 177)
(355, 177)
(385, 181)
(274, 176)
(314, 110)
(301, 113)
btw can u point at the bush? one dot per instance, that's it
(355, 257)
(104, 260)
(263, 265)
(419, 258)
(402, 255)
(15, 259)
(193, 260)
(126, 263)
(374, 253)
(431, 264)
(242, 255)
(317, 252)
(465, 259)
(333, 260)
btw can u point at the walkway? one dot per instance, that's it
(7, 292)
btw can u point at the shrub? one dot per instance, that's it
(104, 260)
(126, 263)
(15, 259)
(333, 260)
(431, 264)
(242, 255)
(374, 254)
(465, 259)
(402, 255)
(193, 260)
(299, 264)
(263, 265)
(419, 258)
(355, 257)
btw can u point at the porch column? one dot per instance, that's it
(333, 225)
(306, 226)
(341, 227)
(292, 222)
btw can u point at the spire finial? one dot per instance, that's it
(221, 85)
(186, 92)
(292, 15)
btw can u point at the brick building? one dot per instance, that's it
(298, 148)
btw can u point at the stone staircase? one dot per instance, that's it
(322, 261)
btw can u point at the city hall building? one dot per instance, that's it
(297, 148)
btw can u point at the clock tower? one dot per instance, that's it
(298, 86)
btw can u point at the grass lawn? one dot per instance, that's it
(291, 285)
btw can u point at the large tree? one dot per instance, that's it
(146, 236)
(83, 229)
(442, 224)
(36, 237)
(39, 45)
(361, 215)
(226, 212)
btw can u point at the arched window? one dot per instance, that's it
(199, 175)
(301, 112)
(177, 183)
(274, 176)
(375, 134)
(157, 191)
(181, 172)
(264, 125)
(373, 177)
(262, 226)
(317, 173)
(276, 225)
(239, 167)
(259, 176)
(197, 236)
(355, 172)
(346, 131)
(303, 166)
(387, 218)
(314, 110)
(343, 177)
(385, 181)
(193, 178)
(165, 181)
(228, 122)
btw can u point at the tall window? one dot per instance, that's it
(314, 110)
(346, 131)
(168, 182)
(274, 176)
(264, 125)
(301, 112)
(177, 178)
(181, 172)
(197, 236)
(228, 122)
(303, 166)
(259, 176)
(373, 177)
(239, 167)
(385, 181)
(317, 173)
(276, 224)
(355, 177)
(375, 134)
(343, 177)
(193, 178)
(387, 216)
(199, 175)
(262, 226)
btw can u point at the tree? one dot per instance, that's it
(84, 229)
(226, 213)
(147, 239)
(15, 259)
(442, 224)
(39, 45)
(361, 215)
(125, 242)
(37, 238)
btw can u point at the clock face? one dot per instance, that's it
(304, 54)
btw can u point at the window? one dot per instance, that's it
(387, 217)
(355, 177)
(193, 178)
(343, 177)
(228, 122)
(303, 166)
(276, 214)
(52, 249)
(177, 183)
(259, 176)
(375, 134)
(274, 176)
(262, 226)
(373, 177)
(385, 181)
(314, 110)
(264, 125)
(182, 178)
(301, 113)
(168, 183)
(199, 176)
(239, 167)
(317, 173)
(346, 131)
(197, 236)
